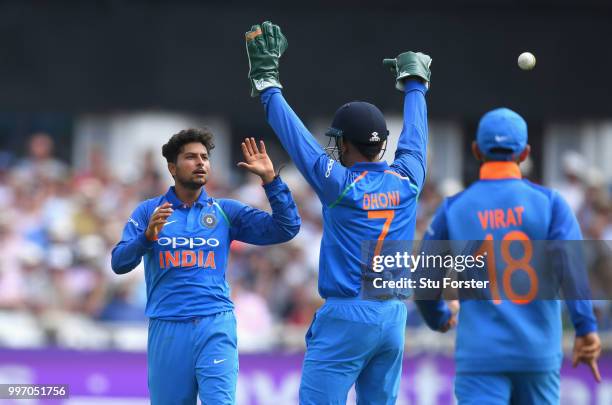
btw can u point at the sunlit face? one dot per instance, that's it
(192, 166)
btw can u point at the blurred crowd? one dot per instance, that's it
(58, 226)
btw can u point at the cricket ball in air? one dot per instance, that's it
(526, 61)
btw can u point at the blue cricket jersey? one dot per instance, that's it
(366, 202)
(185, 267)
(504, 336)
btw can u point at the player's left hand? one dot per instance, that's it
(587, 349)
(265, 45)
(409, 65)
(453, 305)
(257, 160)
(450, 324)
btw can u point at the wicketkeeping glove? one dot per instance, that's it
(409, 64)
(265, 44)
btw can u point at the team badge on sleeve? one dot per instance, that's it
(209, 220)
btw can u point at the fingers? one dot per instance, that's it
(451, 323)
(595, 370)
(162, 212)
(590, 351)
(589, 347)
(448, 326)
(255, 39)
(164, 205)
(247, 143)
(262, 146)
(266, 27)
(281, 41)
(453, 305)
(588, 355)
(249, 147)
(244, 165)
(254, 145)
(268, 34)
(390, 63)
(253, 33)
(157, 220)
(155, 225)
(592, 346)
(161, 216)
(575, 359)
(245, 150)
(164, 208)
(284, 44)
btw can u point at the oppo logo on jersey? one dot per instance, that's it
(181, 241)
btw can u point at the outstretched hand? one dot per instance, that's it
(257, 160)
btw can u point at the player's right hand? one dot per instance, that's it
(587, 349)
(158, 219)
(409, 65)
(265, 44)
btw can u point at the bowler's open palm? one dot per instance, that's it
(256, 160)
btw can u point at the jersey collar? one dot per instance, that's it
(500, 170)
(370, 166)
(176, 203)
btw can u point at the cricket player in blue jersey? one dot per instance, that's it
(508, 348)
(184, 237)
(352, 339)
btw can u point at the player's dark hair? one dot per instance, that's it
(174, 147)
(369, 151)
(501, 151)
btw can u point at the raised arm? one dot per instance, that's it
(324, 175)
(412, 74)
(255, 226)
(265, 45)
(251, 225)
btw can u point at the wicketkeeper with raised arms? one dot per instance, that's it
(353, 338)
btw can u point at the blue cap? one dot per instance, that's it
(502, 134)
(360, 122)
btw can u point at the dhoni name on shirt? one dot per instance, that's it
(372, 201)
